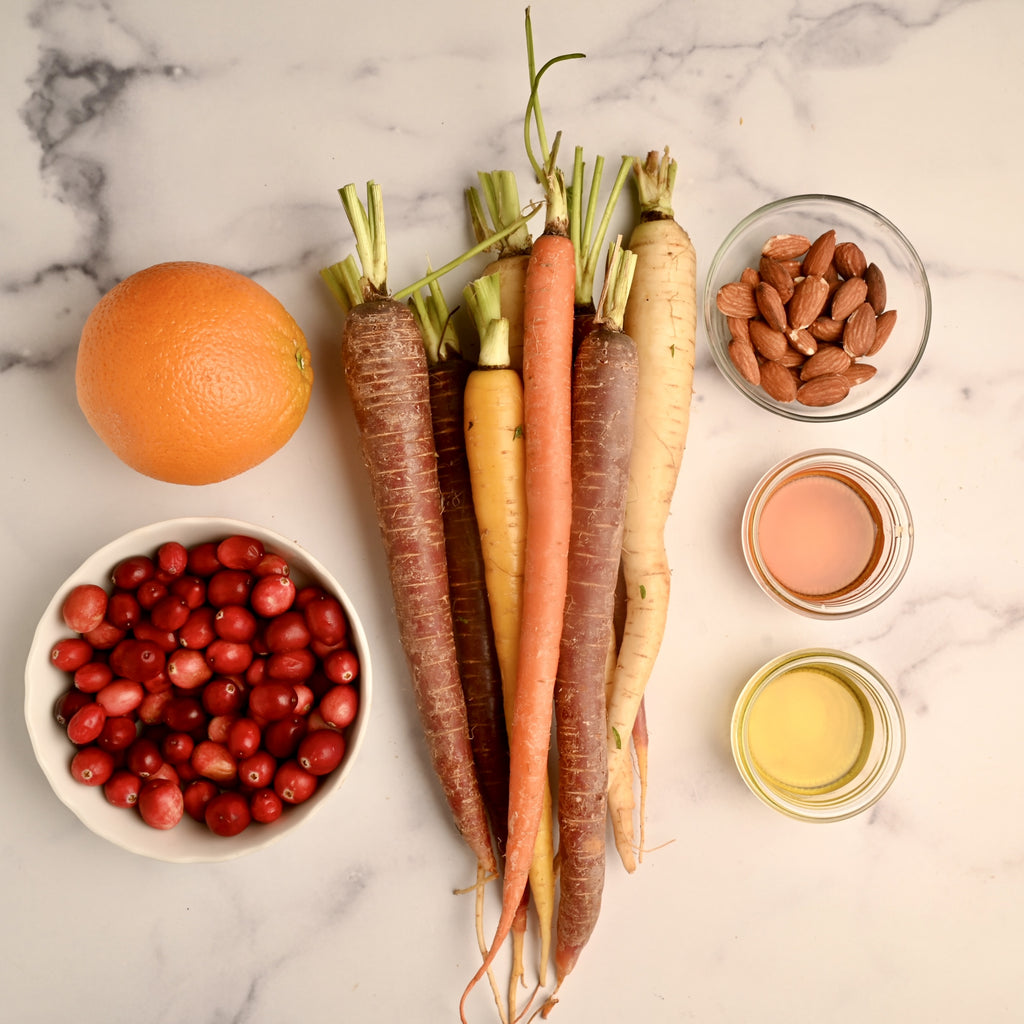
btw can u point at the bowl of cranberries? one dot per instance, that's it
(197, 688)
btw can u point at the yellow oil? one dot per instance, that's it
(808, 731)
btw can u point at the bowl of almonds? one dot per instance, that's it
(817, 308)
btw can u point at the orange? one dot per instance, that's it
(192, 373)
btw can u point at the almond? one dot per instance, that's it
(770, 303)
(739, 327)
(785, 247)
(803, 341)
(858, 373)
(828, 359)
(778, 382)
(884, 323)
(824, 328)
(827, 389)
(777, 276)
(850, 261)
(750, 276)
(792, 358)
(768, 341)
(808, 301)
(743, 358)
(859, 333)
(876, 287)
(819, 255)
(736, 299)
(849, 295)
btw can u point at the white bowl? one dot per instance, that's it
(188, 841)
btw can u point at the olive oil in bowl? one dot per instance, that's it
(818, 735)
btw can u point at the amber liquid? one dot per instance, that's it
(819, 535)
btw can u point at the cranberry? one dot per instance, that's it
(105, 636)
(165, 639)
(169, 772)
(132, 572)
(118, 733)
(272, 701)
(293, 666)
(177, 747)
(339, 706)
(256, 673)
(341, 666)
(228, 586)
(218, 727)
(214, 761)
(257, 770)
(202, 559)
(287, 632)
(172, 558)
(282, 738)
(184, 714)
(123, 609)
(93, 676)
(223, 695)
(137, 659)
(161, 803)
(151, 592)
(227, 814)
(68, 703)
(235, 622)
(191, 589)
(198, 631)
(326, 620)
(227, 658)
(71, 653)
(86, 723)
(303, 698)
(158, 683)
(84, 607)
(188, 670)
(197, 794)
(265, 806)
(121, 697)
(122, 788)
(170, 612)
(310, 592)
(321, 751)
(293, 784)
(143, 757)
(272, 595)
(92, 766)
(151, 710)
(243, 738)
(272, 565)
(240, 552)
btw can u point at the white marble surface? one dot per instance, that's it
(136, 132)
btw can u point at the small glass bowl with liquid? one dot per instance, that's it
(827, 533)
(818, 735)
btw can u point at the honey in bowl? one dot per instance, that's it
(819, 534)
(827, 533)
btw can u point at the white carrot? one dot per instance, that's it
(661, 317)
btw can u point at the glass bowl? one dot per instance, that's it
(188, 841)
(818, 735)
(827, 533)
(881, 242)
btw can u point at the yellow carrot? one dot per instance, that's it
(661, 317)
(495, 447)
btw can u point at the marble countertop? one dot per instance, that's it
(134, 133)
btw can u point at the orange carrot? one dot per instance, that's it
(547, 368)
